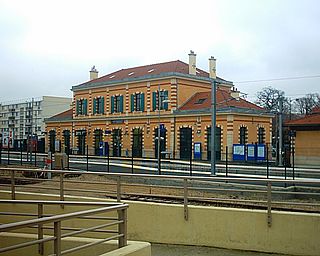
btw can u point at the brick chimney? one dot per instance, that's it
(212, 68)
(192, 63)
(93, 73)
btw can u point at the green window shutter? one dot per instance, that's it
(165, 104)
(94, 106)
(154, 100)
(142, 102)
(77, 107)
(85, 104)
(132, 102)
(121, 103)
(102, 105)
(112, 104)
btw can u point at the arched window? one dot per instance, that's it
(243, 135)
(261, 135)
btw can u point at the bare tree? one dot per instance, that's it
(270, 98)
(304, 105)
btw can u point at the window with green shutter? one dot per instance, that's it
(154, 101)
(85, 106)
(94, 106)
(112, 104)
(132, 102)
(142, 102)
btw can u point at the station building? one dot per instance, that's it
(123, 111)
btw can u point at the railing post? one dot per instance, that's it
(57, 240)
(108, 162)
(20, 154)
(13, 188)
(8, 154)
(226, 161)
(35, 158)
(87, 158)
(267, 155)
(40, 230)
(119, 189)
(269, 204)
(132, 162)
(122, 216)
(185, 198)
(61, 189)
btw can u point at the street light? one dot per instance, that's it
(213, 126)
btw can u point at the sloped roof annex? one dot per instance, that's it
(202, 100)
(65, 115)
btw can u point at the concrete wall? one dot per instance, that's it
(290, 233)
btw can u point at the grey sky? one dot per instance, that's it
(48, 46)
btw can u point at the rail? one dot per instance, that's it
(265, 194)
(55, 223)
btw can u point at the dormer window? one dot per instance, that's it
(200, 101)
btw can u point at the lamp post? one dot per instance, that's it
(160, 104)
(213, 126)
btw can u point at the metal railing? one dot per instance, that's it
(268, 194)
(49, 222)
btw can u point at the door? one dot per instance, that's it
(66, 138)
(137, 143)
(218, 143)
(163, 142)
(52, 139)
(82, 144)
(185, 143)
(116, 142)
(97, 140)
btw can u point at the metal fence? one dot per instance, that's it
(265, 194)
(45, 223)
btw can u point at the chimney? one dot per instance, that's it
(212, 68)
(93, 73)
(192, 63)
(235, 93)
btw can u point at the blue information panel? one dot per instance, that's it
(261, 152)
(197, 150)
(251, 152)
(238, 152)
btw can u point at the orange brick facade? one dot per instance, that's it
(104, 127)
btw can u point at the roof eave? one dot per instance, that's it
(149, 77)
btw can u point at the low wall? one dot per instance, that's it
(290, 233)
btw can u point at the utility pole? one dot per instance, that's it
(280, 131)
(213, 126)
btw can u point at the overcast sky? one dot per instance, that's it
(46, 47)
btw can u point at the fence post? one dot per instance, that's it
(21, 155)
(269, 204)
(87, 157)
(13, 188)
(132, 162)
(8, 154)
(57, 240)
(226, 161)
(40, 230)
(108, 162)
(267, 154)
(0, 150)
(61, 189)
(293, 174)
(185, 198)
(122, 216)
(119, 189)
(190, 168)
(35, 158)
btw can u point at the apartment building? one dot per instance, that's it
(22, 119)
(123, 111)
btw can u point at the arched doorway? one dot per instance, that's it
(66, 138)
(163, 140)
(52, 140)
(81, 135)
(97, 139)
(137, 142)
(185, 143)
(218, 139)
(116, 142)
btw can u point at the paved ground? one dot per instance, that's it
(180, 250)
